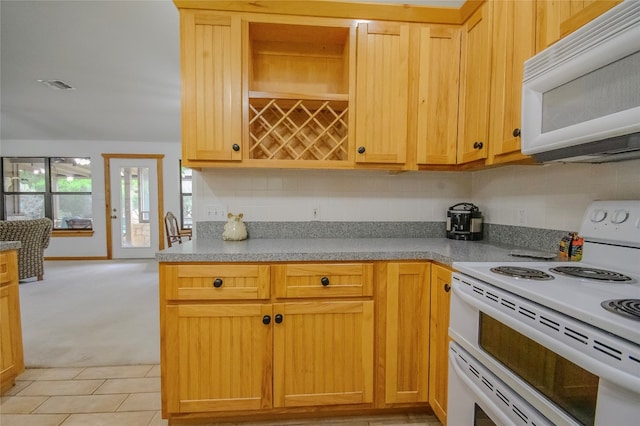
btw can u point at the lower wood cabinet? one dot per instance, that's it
(407, 333)
(217, 357)
(268, 339)
(439, 338)
(11, 353)
(323, 353)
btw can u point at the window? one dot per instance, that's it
(55, 187)
(186, 197)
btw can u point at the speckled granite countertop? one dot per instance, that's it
(442, 250)
(9, 245)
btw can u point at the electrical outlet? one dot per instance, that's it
(522, 217)
(216, 212)
(315, 213)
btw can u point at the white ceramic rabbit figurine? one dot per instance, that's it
(234, 229)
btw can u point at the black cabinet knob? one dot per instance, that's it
(235, 147)
(217, 283)
(447, 288)
(278, 318)
(324, 281)
(516, 132)
(361, 150)
(478, 145)
(266, 319)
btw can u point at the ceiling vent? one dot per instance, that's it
(57, 84)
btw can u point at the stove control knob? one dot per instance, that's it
(598, 215)
(619, 216)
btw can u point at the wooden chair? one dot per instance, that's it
(174, 233)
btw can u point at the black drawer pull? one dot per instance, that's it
(361, 150)
(235, 147)
(516, 132)
(478, 145)
(324, 281)
(447, 288)
(217, 283)
(266, 319)
(278, 318)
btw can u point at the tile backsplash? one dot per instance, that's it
(548, 196)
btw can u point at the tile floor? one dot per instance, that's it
(123, 396)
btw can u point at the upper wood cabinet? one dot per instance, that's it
(211, 71)
(438, 87)
(299, 79)
(556, 19)
(513, 43)
(473, 124)
(382, 93)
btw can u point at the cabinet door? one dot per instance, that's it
(218, 357)
(382, 93)
(11, 355)
(323, 353)
(440, 297)
(211, 86)
(556, 19)
(407, 333)
(439, 82)
(513, 44)
(473, 130)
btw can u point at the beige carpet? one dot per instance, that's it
(92, 313)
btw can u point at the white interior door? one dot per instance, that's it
(134, 208)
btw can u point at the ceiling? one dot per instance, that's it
(122, 58)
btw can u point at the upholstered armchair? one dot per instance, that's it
(34, 237)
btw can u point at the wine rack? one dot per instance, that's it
(298, 129)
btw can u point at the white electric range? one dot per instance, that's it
(562, 338)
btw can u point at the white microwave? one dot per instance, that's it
(581, 96)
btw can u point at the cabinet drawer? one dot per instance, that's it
(216, 282)
(323, 280)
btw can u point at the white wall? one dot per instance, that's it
(291, 195)
(551, 196)
(96, 245)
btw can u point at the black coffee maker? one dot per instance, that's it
(464, 222)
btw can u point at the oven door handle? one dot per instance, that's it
(596, 366)
(494, 412)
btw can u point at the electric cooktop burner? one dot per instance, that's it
(629, 308)
(591, 273)
(521, 272)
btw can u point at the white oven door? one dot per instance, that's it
(570, 372)
(478, 397)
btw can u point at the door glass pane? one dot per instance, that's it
(571, 387)
(134, 207)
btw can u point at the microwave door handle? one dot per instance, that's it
(496, 414)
